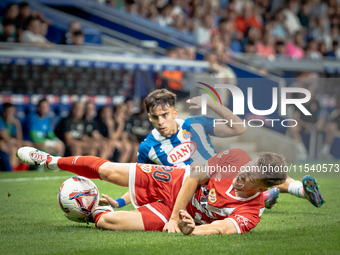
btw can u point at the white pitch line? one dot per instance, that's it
(34, 179)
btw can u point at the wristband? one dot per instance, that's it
(121, 202)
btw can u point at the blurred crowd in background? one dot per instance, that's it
(287, 28)
(291, 28)
(113, 133)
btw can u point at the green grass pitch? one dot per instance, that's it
(31, 222)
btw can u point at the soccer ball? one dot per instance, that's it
(78, 197)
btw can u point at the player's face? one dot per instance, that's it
(246, 180)
(164, 120)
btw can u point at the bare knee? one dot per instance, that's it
(115, 173)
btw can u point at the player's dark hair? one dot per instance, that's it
(274, 173)
(162, 97)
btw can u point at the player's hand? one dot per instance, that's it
(106, 200)
(186, 223)
(172, 227)
(196, 102)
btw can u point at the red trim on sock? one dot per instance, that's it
(86, 166)
(97, 217)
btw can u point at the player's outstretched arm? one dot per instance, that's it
(222, 129)
(187, 226)
(184, 196)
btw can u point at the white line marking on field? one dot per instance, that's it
(34, 179)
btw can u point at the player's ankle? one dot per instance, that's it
(52, 163)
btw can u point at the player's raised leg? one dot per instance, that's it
(308, 189)
(88, 166)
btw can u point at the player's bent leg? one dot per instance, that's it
(116, 173)
(121, 221)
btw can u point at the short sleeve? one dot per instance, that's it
(142, 156)
(206, 122)
(246, 218)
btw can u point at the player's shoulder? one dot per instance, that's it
(232, 152)
(148, 142)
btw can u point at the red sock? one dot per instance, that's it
(86, 166)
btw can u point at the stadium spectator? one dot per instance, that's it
(307, 123)
(292, 21)
(172, 79)
(23, 18)
(165, 18)
(12, 11)
(264, 46)
(335, 52)
(138, 127)
(71, 130)
(331, 130)
(217, 70)
(41, 133)
(92, 134)
(322, 48)
(121, 114)
(279, 29)
(179, 23)
(295, 49)
(131, 7)
(33, 33)
(72, 27)
(78, 38)
(11, 138)
(8, 28)
(109, 129)
(312, 50)
(204, 31)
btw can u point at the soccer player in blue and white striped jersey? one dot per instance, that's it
(176, 142)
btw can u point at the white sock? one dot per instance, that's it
(53, 164)
(296, 188)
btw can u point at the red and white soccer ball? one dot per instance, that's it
(78, 197)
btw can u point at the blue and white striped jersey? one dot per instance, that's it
(190, 143)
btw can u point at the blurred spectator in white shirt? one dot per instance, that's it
(33, 33)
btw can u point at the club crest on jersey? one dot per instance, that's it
(212, 196)
(186, 134)
(181, 152)
(146, 168)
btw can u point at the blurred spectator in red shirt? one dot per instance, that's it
(265, 47)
